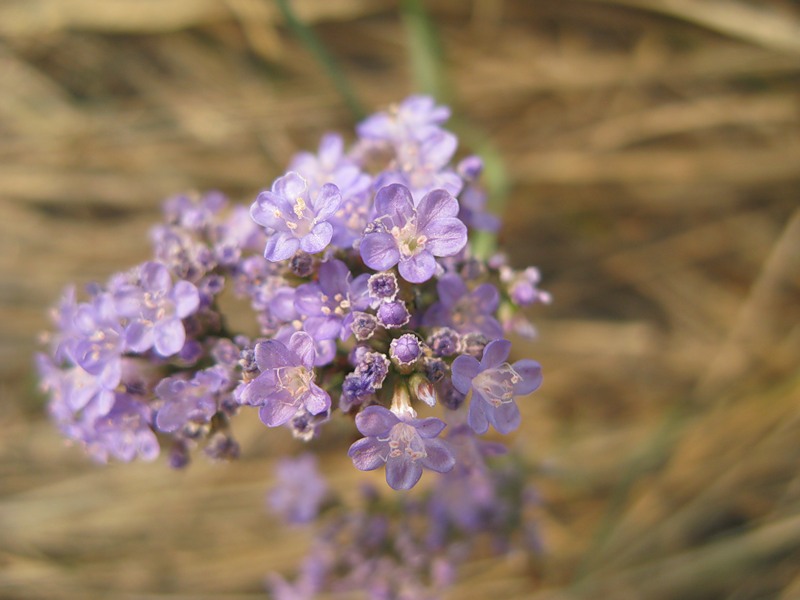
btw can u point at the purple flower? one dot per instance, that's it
(299, 219)
(191, 402)
(405, 446)
(413, 236)
(465, 311)
(286, 383)
(329, 302)
(123, 433)
(155, 308)
(299, 490)
(98, 341)
(494, 384)
(414, 116)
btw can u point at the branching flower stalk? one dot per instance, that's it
(370, 306)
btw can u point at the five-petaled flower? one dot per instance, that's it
(412, 236)
(494, 384)
(404, 445)
(286, 383)
(298, 218)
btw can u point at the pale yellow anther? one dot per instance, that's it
(299, 207)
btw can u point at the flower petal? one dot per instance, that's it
(531, 373)
(402, 473)
(186, 298)
(318, 238)
(486, 298)
(465, 368)
(495, 354)
(368, 453)
(446, 237)
(302, 345)
(272, 354)
(379, 251)
(437, 204)
(505, 418)
(376, 420)
(476, 418)
(451, 288)
(290, 186)
(323, 328)
(316, 400)
(267, 211)
(333, 276)
(418, 268)
(307, 299)
(440, 458)
(139, 336)
(169, 336)
(395, 200)
(327, 201)
(276, 412)
(430, 427)
(280, 246)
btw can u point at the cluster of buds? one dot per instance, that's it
(368, 302)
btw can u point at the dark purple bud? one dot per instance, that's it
(435, 369)
(178, 455)
(248, 363)
(301, 264)
(363, 325)
(405, 350)
(373, 368)
(449, 396)
(190, 353)
(470, 168)
(444, 341)
(382, 287)
(393, 314)
(473, 344)
(222, 446)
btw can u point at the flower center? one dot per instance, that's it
(408, 242)
(404, 441)
(295, 380)
(497, 385)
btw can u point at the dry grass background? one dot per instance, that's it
(653, 154)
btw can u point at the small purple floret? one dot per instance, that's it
(411, 237)
(405, 446)
(494, 384)
(298, 219)
(286, 383)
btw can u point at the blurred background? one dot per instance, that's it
(646, 156)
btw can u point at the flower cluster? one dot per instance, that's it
(368, 304)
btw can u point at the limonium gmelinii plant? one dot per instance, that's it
(370, 307)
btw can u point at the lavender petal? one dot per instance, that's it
(531, 372)
(169, 336)
(402, 473)
(476, 418)
(465, 368)
(317, 239)
(379, 251)
(439, 456)
(367, 454)
(376, 420)
(280, 246)
(506, 417)
(495, 354)
(418, 268)
(446, 237)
